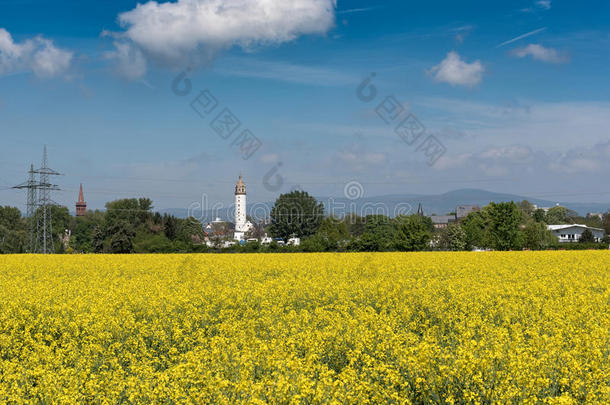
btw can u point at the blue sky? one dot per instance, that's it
(516, 92)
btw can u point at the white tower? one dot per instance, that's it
(241, 226)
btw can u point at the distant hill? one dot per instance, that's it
(404, 203)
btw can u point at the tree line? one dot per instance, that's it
(131, 226)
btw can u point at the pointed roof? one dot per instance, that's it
(81, 198)
(420, 210)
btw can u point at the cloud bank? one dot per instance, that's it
(38, 55)
(194, 31)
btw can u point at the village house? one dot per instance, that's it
(570, 233)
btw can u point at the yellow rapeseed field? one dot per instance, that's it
(511, 327)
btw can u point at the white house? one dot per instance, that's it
(571, 232)
(294, 241)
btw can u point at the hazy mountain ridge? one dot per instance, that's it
(401, 203)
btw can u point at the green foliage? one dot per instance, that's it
(170, 226)
(122, 236)
(413, 233)
(539, 215)
(132, 210)
(13, 231)
(453, 238)
(332, 233)
(355, 224)
(153, 244)
(556, 216)
(378, 236)
(527, 207)
(190, 231)
(97, 240)
(475, 227)
(536, 236)
(84, 231)
(317, 243)
(10, 218)
(587, 237)
(504, 223)
(295, 214)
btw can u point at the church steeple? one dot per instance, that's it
(81, 205)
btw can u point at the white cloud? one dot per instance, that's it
(455, 71)
(38, 55)
(194, 31)
(545, 4)
(129, 60)
(540, 53)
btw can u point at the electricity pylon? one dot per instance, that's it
(38, 209)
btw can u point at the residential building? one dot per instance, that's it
(441, 221)
(462, 211)
(570, 233)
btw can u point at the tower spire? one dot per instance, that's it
(81, 205)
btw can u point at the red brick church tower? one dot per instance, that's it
(81, 205)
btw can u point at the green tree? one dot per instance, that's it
(556, 216)
(378, 236)
(190, 231)
(316, 243)
(97, 240)
(170, 226)
(13, 231)
(122, 235)
(83, 231)
(527, 207)
(539, 215)
(475, 226)
(355, 224)
(453, 238)
(132, 210)
(536, 236)
(333, 231)
(413, 233)
(153, 244)
(295, 213)
(587, 237)
(505, 219)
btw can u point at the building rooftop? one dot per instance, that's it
(442, 219)
(566, 226)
